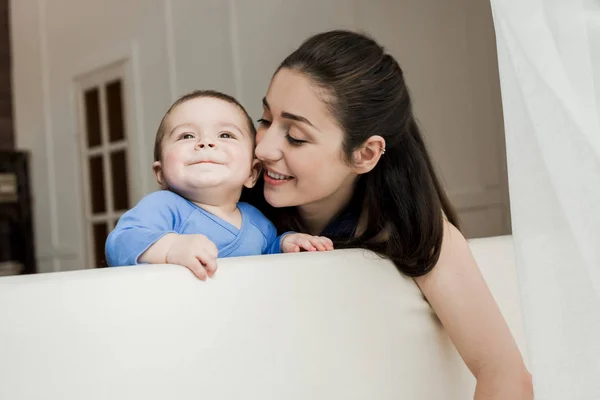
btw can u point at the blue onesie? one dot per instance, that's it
(165, 212)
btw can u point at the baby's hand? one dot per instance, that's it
(294, 242)
(195, 252)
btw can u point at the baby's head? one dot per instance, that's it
(204, 148)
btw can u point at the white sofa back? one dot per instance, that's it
(338, 325)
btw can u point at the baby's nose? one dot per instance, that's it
(204, 143)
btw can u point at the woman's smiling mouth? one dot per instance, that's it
(274, 178)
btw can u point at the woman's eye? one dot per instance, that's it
(226, 135)
(187, 136)
(293, 141)
(264, 122)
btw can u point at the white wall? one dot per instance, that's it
(448, 52)
(446, 48)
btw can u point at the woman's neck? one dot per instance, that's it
(317, 215)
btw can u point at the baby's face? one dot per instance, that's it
(206, 145)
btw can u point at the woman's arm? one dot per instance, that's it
(459, 296)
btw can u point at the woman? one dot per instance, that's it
(343, 157)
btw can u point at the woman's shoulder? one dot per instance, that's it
(454, 244)
(453, 237)
(455, 255)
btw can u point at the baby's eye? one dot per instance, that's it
(187, 136)
(225, 135)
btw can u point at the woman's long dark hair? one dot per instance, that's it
(402, 196)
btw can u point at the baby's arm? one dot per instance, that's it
(195, 252)
(289, 242)
(139, 228)
(148, 234)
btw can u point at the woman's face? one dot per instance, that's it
(300, 145)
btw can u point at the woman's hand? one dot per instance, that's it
(295, 242)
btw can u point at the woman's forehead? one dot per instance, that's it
(292, 91)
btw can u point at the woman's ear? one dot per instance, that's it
(158, 173)
(366, 157)
(254, 173)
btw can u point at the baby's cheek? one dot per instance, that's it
(242, 161)
(171, 160)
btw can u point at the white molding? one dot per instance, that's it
(106, 164)
(170, 40)
(79, 128)
(106, 217)
(137, 139)
(48, 133)
(113, 146)
(235, 49)
(58, 254)
(101, 59)
(98, 79)
(118, 62)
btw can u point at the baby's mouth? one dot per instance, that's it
(204, 162)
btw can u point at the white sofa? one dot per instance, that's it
(338, 325)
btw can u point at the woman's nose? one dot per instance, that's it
(267, 146)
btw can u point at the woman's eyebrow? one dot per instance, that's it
(266, 104)
(298, 118)
(288, 115)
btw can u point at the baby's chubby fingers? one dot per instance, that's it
(208, 261)
(290, 248)
(303, 242)
(321, 243)
(316, 243)
(197, 268)
(326, 242)
(295, 242)
(208, 246)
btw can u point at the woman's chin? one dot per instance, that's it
(278, 200)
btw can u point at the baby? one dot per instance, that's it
(204, 156)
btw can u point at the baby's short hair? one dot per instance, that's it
(160, 133)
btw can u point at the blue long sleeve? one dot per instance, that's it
(139, 228)
(165, 212)
(274, 246)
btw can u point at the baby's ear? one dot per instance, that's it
(158, 173)
(254, 173)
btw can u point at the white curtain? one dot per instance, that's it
(549, 59)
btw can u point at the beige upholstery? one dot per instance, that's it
(338, 325)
